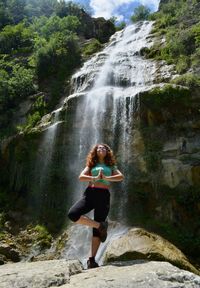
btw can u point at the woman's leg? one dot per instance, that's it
(100, 214)
(81, 207)
(84, 220)
(95, 245)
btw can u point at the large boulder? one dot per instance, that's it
(138, 243)
(41, 274)
(140, 274)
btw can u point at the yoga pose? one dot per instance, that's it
(100, 170)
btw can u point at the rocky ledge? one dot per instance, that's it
(66, 274)
(129, 261)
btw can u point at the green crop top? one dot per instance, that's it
(107, 171)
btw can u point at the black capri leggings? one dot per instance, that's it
(93, 198)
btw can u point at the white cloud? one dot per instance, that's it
(105, 8)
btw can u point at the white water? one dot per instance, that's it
(106, 88)
(108, 84)
(115, 76)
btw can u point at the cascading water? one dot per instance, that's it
(103, 105)
(43, 164)
(107, 85)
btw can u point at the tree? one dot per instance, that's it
(68, 8)
(16, 10)
(46, 27)
(15, 37)
(140, 13)
(4, 17)
(58, 57)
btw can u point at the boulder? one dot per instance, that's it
(138, 243)
(10, 252)
(41, 274)
(140, 274)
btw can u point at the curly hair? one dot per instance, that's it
(92, 158)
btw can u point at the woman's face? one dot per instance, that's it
(101, 151)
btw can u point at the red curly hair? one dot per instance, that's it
(92, 158)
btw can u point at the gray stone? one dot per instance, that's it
(136, 274)
(39, 274)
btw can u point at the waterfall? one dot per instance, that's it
(108, 84)
(102, 109)
(106, 90)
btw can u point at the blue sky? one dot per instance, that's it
(122, 9)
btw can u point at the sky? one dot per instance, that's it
(122, 9)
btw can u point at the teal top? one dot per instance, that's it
(107, 171)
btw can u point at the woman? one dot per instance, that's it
(100, 170)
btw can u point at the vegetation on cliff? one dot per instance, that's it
(179, 23)
(39, 50)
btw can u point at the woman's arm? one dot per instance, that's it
(85, 175)
(116, 176)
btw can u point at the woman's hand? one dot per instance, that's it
(116, 177)
(99, 176)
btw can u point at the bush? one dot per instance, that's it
(13, 38)
(21, 83)
(46, 27)
(43, 237)
(57, 57)
(91, 48)
(188, 79)
(183, 64)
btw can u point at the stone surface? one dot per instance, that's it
(138, 243)
(10, 252)
(39, 274)
(138, 274)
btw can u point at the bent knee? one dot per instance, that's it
(73, 215)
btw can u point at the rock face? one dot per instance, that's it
(157, 131)
(140, 244)
(66, 274)
(38, 274)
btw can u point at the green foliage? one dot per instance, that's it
(58, 57)
(140, 13)
(167, 96)
(188, 79)
(118, 26)
(13, 38)
(43, 238)
(46, 27)
(183, 64)
(69, 8)
(16, 86)
(179, 20)
(4, 15)
(16, 10)
(21, 83)
(39, 50)
(91, 48)
(38, 110)
(37, 8)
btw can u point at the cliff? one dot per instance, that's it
(161, 153)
